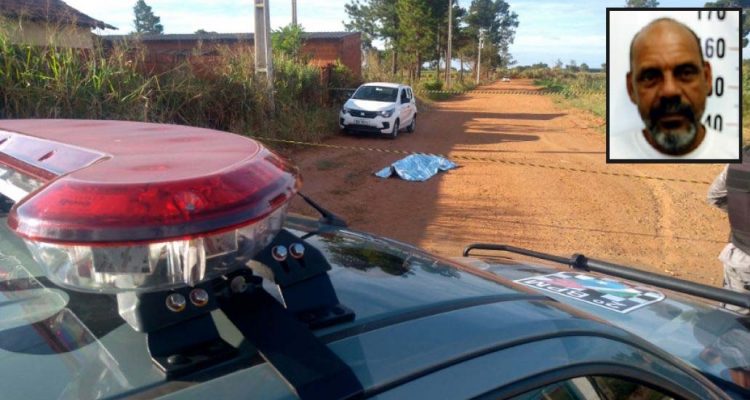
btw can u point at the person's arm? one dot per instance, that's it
(717, 193)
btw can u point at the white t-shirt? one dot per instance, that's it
(632, 145)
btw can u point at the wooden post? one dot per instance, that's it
(263, 48)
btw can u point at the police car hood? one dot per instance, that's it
(415, 313)
(711, 339)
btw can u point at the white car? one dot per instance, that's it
(382, 108)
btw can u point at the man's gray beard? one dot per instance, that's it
(672, 141)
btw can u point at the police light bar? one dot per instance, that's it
(112, 206)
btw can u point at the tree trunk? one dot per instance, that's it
(461, 71)
(395, 62)
(448, 70)
(437, 70)
(419, 66)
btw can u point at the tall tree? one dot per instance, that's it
(379, 19)
(145, 19)
(744, 20)
(415, 39)
(642, 4)
(463, 43)
(498, 25)
(362, 19)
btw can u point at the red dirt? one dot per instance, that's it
(659, 225)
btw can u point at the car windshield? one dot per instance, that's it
(376, 93)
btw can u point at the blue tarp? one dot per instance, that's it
(417, 167)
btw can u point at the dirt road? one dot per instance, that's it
(543, 190)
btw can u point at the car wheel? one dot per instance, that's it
(394, 133)
(413, 126)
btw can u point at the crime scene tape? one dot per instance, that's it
(483, 159)
(496, 91)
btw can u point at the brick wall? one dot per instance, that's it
(352, 54)
(162, 55)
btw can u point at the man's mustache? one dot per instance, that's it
(671, 106)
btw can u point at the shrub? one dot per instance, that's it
(225, 94)
(432, 85)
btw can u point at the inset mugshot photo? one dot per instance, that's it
(673, 85)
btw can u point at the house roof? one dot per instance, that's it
(217, 36)
(55, 11)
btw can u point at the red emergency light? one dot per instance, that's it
(112, 205)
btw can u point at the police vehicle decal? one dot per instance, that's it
(608, 293)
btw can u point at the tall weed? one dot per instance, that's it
(583, 90)
(225, 94)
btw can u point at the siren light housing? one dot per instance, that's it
(113, 206)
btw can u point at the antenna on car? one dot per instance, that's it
(583, 263)
(328, 217)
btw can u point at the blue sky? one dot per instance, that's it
(549, 29)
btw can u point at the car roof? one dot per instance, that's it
(385, 84)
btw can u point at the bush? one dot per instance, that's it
(584, 90)
(225, 94)
(432, 85)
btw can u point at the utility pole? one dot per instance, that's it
(294, 12)
(263, 54)
(479, 53)
(449, 55)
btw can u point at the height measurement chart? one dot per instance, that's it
(718, 31)
(720, 44)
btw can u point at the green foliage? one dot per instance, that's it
(296, 82)
(498, 25)
(145, 21)
(49, 82)
(414, 41)
(57, 82)
(536, 73)
(341, 76)
(377, 67)
(415, 31)
(584, 90)
(433, 84)
(361, 19)
(376, 19)
(288, 41)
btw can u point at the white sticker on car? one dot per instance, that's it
(608, 293)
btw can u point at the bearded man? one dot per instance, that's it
(669, 82)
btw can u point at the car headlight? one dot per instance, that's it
(387, 113)
(345, 110)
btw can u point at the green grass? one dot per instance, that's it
(49, 82)
(582, 90)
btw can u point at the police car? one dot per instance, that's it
(143, 260)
